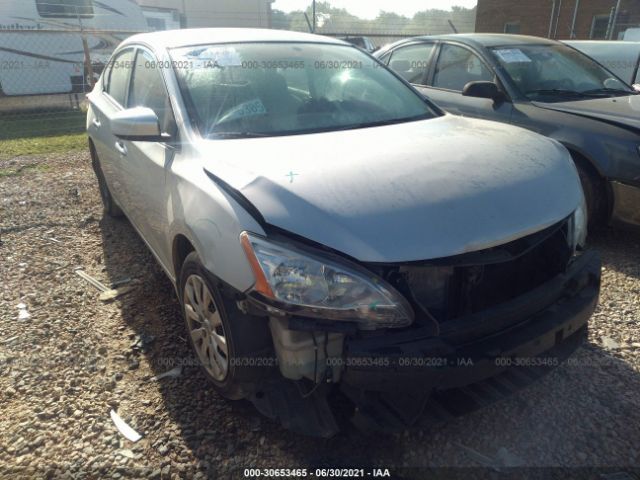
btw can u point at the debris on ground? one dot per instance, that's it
(96, 283)
(173, 373)
(112, 294)
(125, 452)
(128, 432)
(609, 343)
(23, 314)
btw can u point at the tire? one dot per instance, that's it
(594, 197)
(111, 208)
(237, 366)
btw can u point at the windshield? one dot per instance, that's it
(555, 72)
(264, 89)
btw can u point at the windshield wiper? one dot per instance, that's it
(605, 91)
(556, 91)
(238, 135)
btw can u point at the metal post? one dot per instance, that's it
(572, 34)
(607, 35)
(555, 31)
(314, 16)
(87, 53)
(615, 20)
(553, 11)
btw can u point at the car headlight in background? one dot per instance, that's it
(316, 285)
(578, 226)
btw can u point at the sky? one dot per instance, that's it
(369, 9)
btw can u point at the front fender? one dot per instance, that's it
(213, 221)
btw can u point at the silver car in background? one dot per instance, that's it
(329, 230)
(621, 58)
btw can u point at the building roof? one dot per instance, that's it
(200, 36)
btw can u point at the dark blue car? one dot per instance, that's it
(541, 85)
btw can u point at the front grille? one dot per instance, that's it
(453, 287)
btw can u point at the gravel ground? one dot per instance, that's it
(75, 358)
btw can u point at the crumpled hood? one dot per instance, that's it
(624, 111)
(404, 192)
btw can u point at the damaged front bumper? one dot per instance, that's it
(397, 379)
(412, 376)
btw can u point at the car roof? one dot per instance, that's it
(491, 39)
(198, 36)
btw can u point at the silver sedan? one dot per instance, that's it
(327, 228)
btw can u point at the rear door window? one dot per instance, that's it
(412, 62)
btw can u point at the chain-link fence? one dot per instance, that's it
(45, 75)
(50, 62)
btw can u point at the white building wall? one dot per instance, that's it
(218, 13)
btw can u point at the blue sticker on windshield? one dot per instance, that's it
(246, 109)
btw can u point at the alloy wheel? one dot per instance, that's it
(205, 327)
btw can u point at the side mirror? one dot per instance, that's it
(138, 124)
(483, 90)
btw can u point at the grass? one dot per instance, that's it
(14, 172)
(40, 145)
(34, 124)
(42, 132)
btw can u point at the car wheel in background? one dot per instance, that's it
(233, 348)
(594, 196)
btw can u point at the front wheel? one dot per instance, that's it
(234, 349)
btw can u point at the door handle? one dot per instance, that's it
(121, 148)
(96, 123)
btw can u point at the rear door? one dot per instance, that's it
(144, 164)
(454, 66)
(105, 103)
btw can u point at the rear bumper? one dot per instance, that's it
(626, 205)
(395, 378)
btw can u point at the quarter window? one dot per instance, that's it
(458, 66)
(65, 8)
(412, 62)
(119, 76)
(148, 90)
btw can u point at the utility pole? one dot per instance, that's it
(88, 70)
(313, 11)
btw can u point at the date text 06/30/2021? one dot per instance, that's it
(317, 472)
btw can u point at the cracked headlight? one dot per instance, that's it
(321, 285)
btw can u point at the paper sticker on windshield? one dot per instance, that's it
(512, 55)
(219, 57)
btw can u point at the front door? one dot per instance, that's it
(146, 163)
(456, 66)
